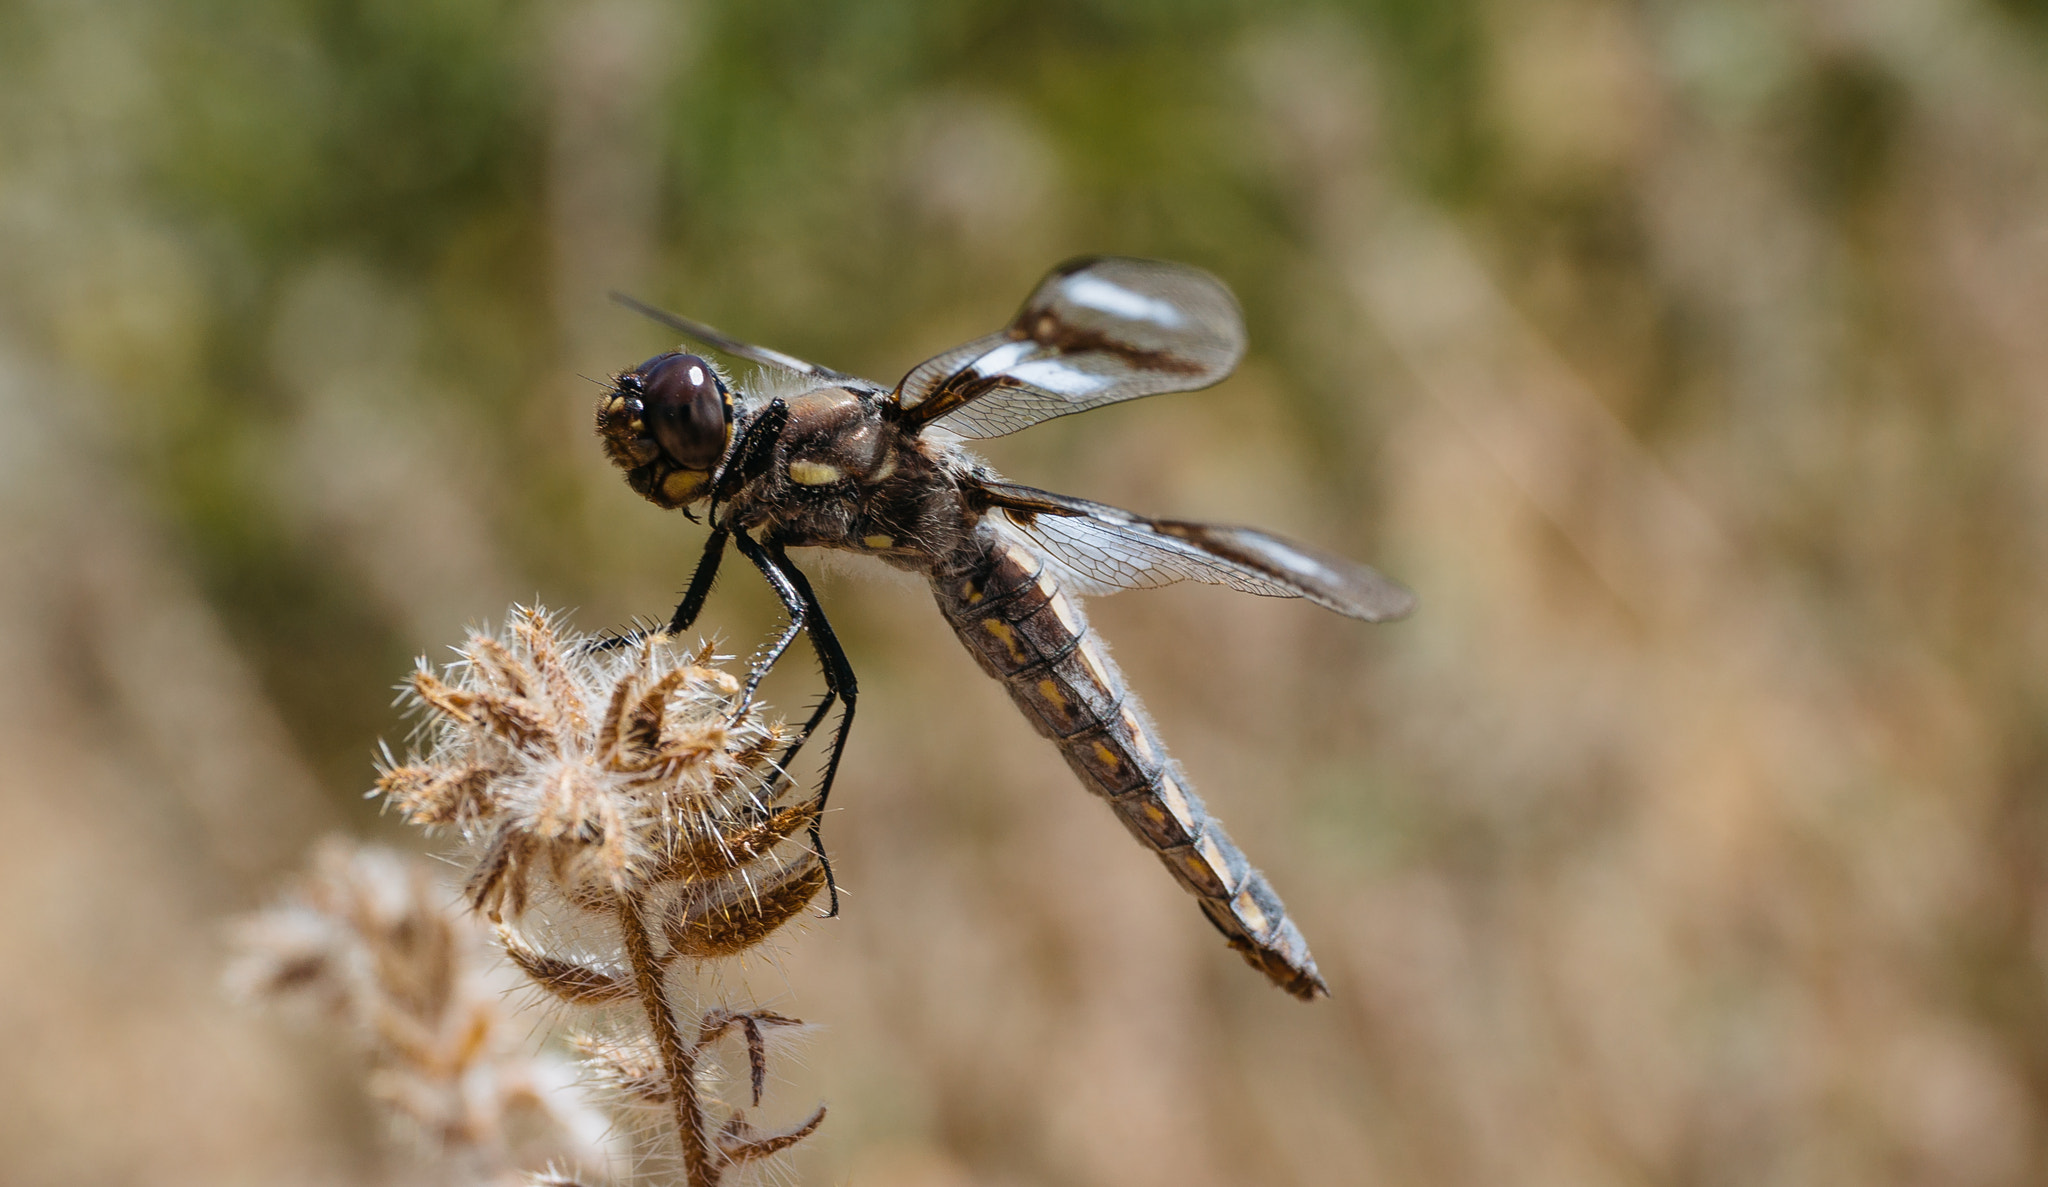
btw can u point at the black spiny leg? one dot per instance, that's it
(750, 454)
(793, 603)
(693, 598)
(839, 680)
(701, 581)
(805, 614)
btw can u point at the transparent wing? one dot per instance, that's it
(1096, 331)
(704, 334)
(1120, 550)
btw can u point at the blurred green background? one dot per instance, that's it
(1689, 359)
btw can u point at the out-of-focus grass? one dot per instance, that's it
(1686, 357)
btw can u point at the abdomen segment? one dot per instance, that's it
(1030, 634)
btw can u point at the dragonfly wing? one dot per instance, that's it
(1096, 331)
(1117, 549)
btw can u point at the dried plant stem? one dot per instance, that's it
(702, 1164)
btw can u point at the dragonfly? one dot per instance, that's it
(809, 457)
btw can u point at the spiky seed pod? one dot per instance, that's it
(437, 796)
(731, 917)
(710, 854)
(606, 772)
(577, 984)
(626, 785)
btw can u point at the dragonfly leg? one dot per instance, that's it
(793, 604)
(701, 581)
(840, 685)
(751, 454)
(693, 598)
(839, 682)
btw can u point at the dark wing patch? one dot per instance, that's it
(699, 332)
(1120, 550)
(1096, 331)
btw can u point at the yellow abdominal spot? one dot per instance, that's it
(813, 473)
(1007, 634)
(1050, 690)
(1108, 757)
(879, 541)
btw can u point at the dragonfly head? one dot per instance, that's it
(667, 423)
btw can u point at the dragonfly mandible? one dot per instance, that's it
(812, 457)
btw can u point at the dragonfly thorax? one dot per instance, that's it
(842, 474)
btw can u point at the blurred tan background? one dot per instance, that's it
(1689, 359)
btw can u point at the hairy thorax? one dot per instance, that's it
(844, 476)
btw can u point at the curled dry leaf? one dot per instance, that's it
(577, 984)
(740, 1142)
(731, 916)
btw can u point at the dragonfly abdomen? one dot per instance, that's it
(1030, 634)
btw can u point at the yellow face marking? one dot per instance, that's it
(879, 541)
(1247, 911)
(1008, 636)
(1050, 690)
(813, 473)
(683, 485)
(1176, 802)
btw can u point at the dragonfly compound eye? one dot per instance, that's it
(686, 409)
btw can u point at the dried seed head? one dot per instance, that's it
(623, 793)
(370, 936)
(595, 772)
